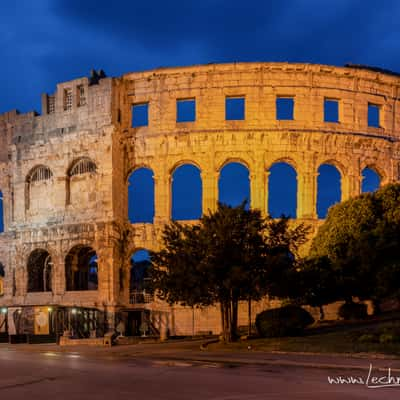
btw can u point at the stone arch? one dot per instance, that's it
(370, 179)
(283, 160)
(234, 183)
(81, 268)
(340, 166)
(139, 288)
(81, 182)
(282, 190)
(141, 205)
(233, 160)
(1, 212)
(37, 188)
(39, 268)
(185, 161)
(329, 187)
(186, 192)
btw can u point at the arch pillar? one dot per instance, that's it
(307, 194)
(107, 275)
(8, 280)
(209, 179)
(350, 186)
(258, 188)
(162, 197)
(58, 275)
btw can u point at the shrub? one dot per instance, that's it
(368, 338)
(284, 321)
(350, 311)
(386, 338)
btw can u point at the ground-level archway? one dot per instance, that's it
(39, 271)
(139, 287)
(81, 270)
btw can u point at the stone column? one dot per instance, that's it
(350, 186)
(162, 197)
(58, 275)
(209, 179)
(307, 194)
(108, 287)
(258, 189)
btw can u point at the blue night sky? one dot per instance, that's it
(43, 42)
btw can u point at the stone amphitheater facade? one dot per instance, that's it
(64, 174)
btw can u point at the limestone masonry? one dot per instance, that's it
(67, 241)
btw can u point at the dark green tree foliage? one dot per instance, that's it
(230, 255)
(314, 283)
(290, 320)
(361, 239)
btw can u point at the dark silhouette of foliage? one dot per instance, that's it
(284, 321)
(232, 254)
(361, 238)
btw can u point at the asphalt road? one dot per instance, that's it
(100, 375)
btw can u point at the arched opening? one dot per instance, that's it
(370, 180)
(234, 185)
(81, 183)
(39, 271)
(2, 274)
(81, 270)
(141, 196)
(1, 212)
(38, 194)
(329, 188)
(282, 190)
(186, 193)
(140, 290)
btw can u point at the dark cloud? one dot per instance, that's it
(46, 41)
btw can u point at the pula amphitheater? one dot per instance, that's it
(66, 178)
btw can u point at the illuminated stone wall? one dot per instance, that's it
(92, 210)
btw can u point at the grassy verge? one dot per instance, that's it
(375, 337)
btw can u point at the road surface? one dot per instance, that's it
(72, 374)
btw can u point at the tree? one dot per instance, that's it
(316, 283)
(361, 237)
(228, 256)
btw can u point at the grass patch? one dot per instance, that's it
(377, 336)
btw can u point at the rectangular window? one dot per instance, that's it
(284, 108)
(186, 110)
(51, 104)
(234, 108)
(373, 115)
(331, 110)
(140, 115)
(81, 95)
(67, 99)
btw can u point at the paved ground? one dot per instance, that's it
(182, 371)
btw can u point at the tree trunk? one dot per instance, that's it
(222, 308)
(234, 319)
(376, 306)
(321, 313)
(229, 319)
(249, 314)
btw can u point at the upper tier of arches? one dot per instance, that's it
(235, 183)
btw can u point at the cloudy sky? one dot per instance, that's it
(43, 42)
